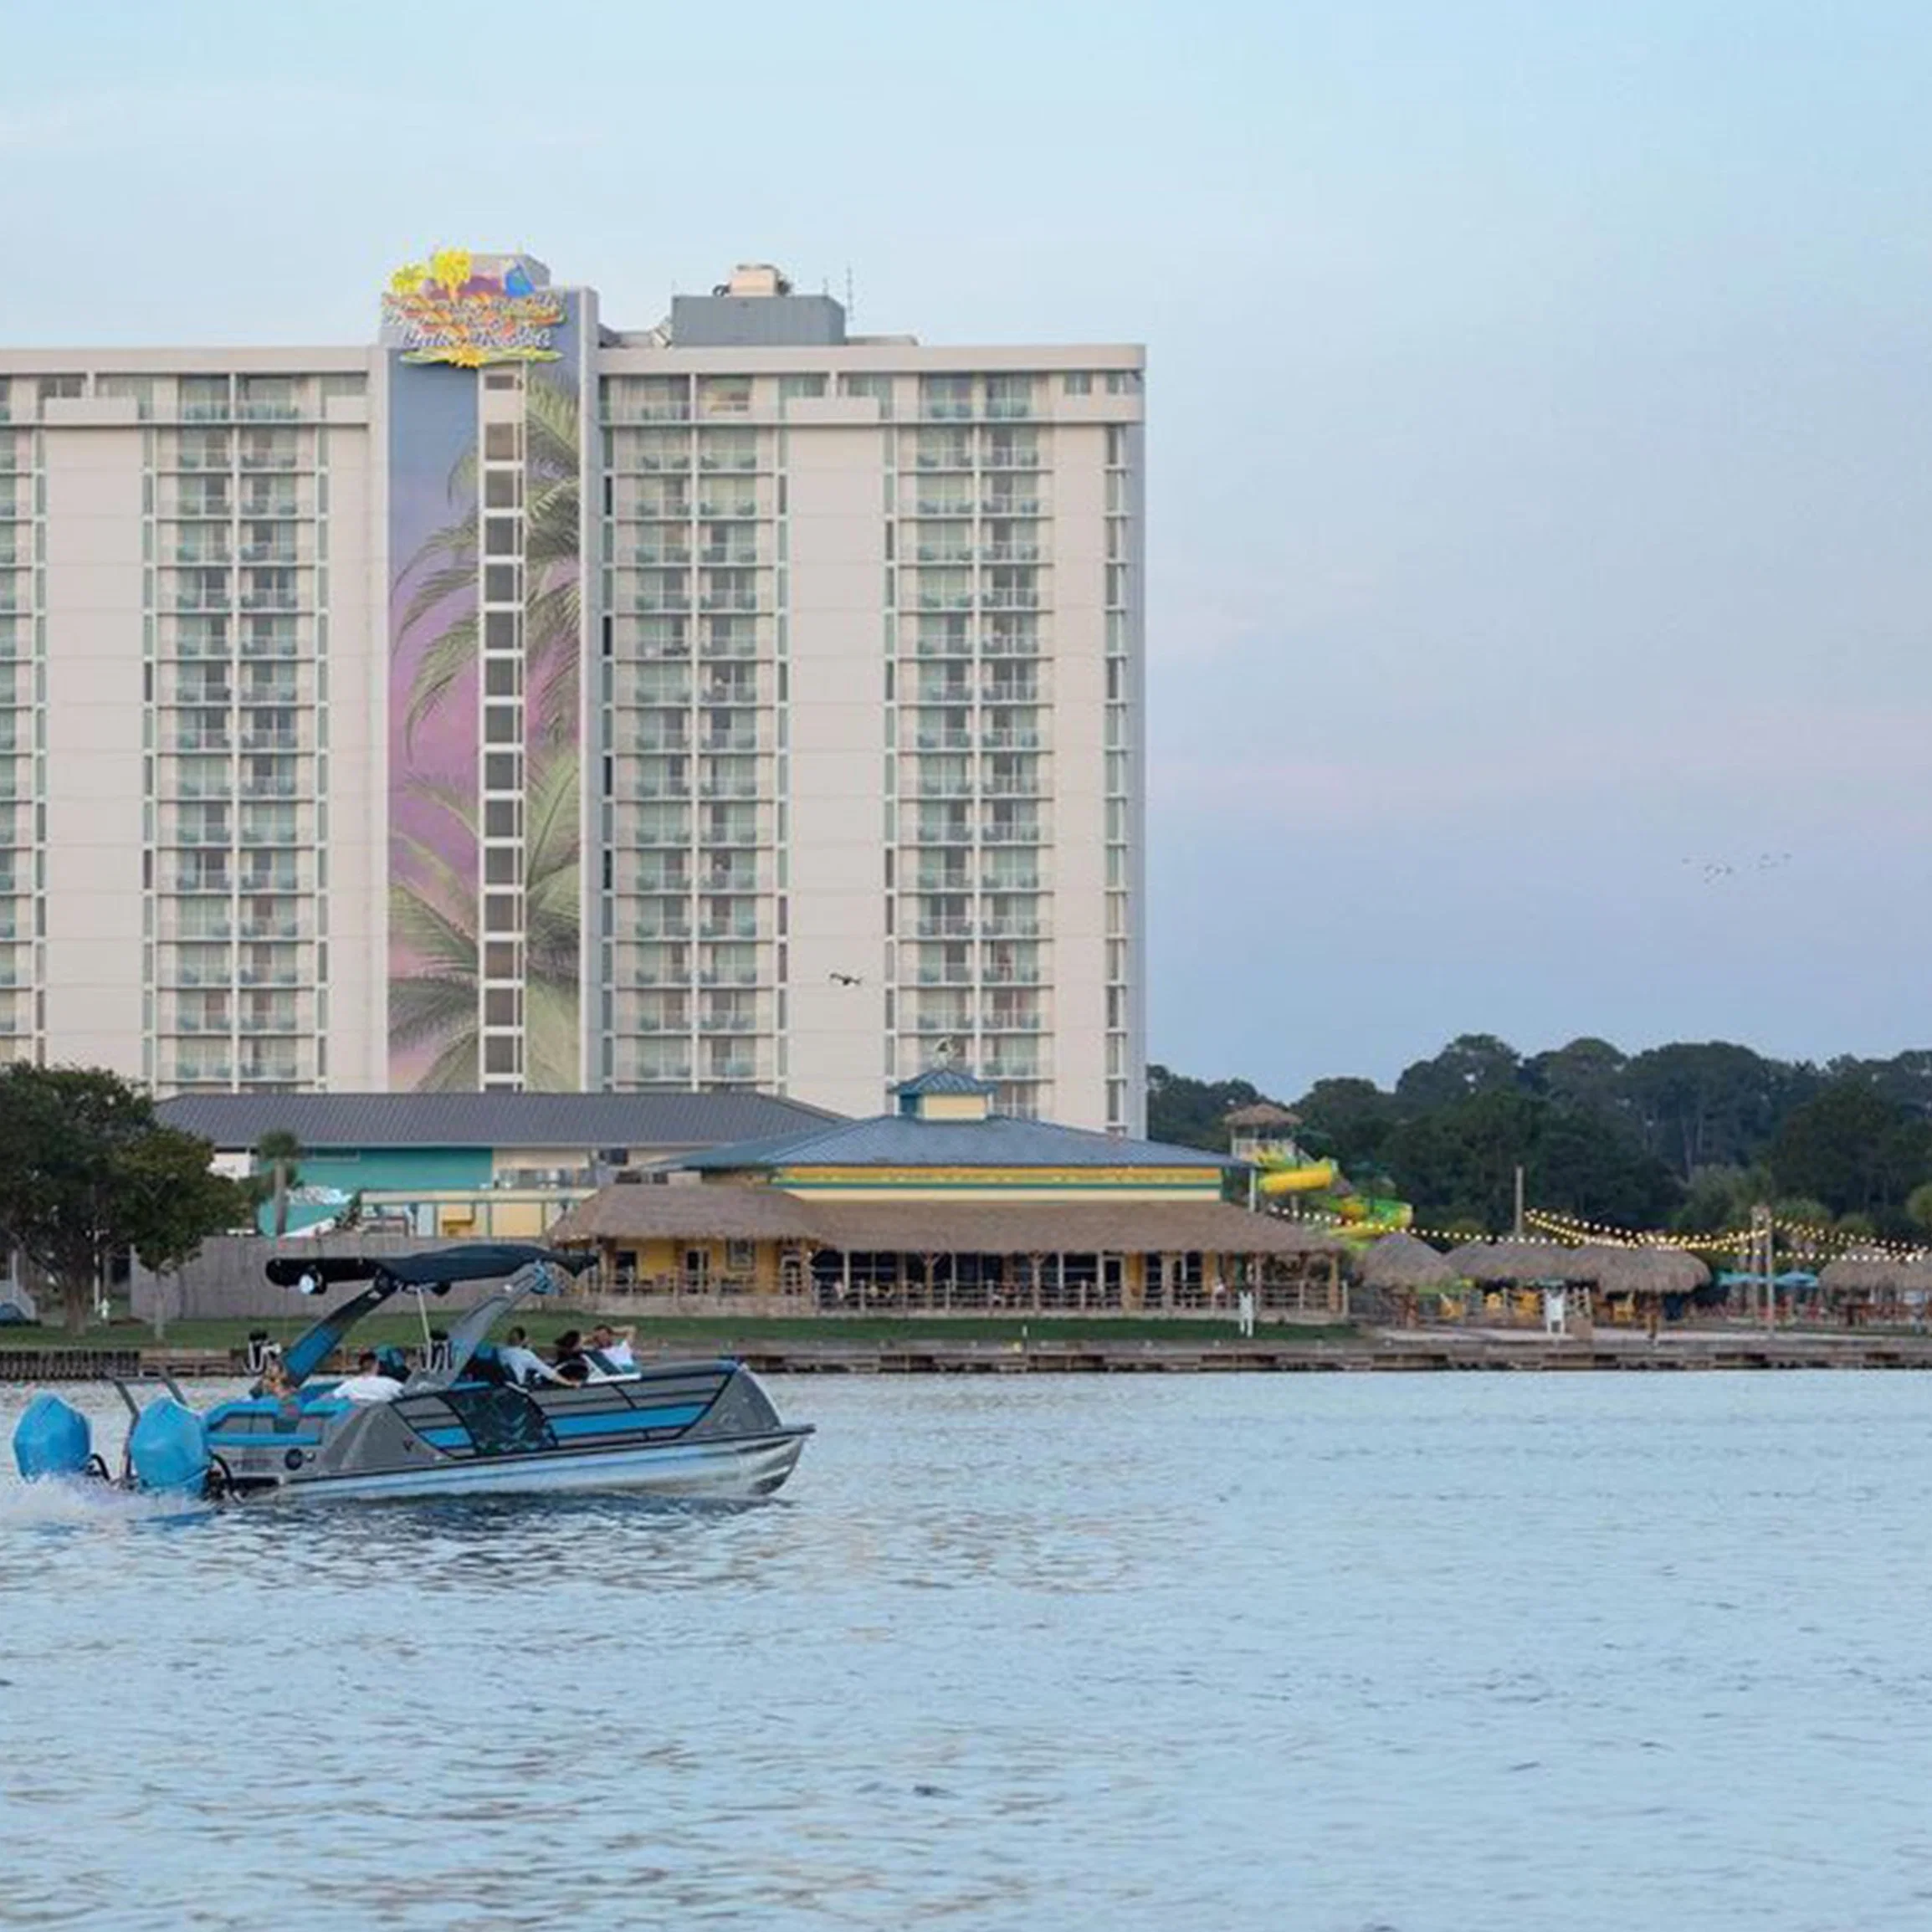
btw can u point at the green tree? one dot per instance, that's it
(1905, 1078)
(88, 1174)
(1720, 1199)
(1710, 1103)
(1459, 1163)
(1855, 1150)
(1919, 1206)
(1189, 1113)
(1587, 1074)
(1471, 1064)
(276, 1154)
(1349, 1118)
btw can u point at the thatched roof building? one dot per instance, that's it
(944, 1204)
(1517, 1263)
(1401, 1263)
(628, 1216)
(1875, 1275)
(1640, 1271)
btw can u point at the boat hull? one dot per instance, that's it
(671, 1429)
(723, 1469)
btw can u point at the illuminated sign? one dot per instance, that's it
(446, 311)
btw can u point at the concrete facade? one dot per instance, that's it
(859, 722)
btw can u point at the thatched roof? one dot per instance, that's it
(646, 1211)
(1868, 1274)
(1261, 1113)
(1075, 1227)
(746, 1211)
(1516, 1261)
(1640, 1270)
(1402, 1261)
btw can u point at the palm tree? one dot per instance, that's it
(434, 914)
(553, 590)
(278, 1151)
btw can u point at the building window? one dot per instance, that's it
(878, 387)
(1076, 382)
(942, 398)
(1009, 397)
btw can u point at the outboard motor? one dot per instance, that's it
(167, 1448)
(52, 1439)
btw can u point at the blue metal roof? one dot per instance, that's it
(896, 1141)
(944, 1080)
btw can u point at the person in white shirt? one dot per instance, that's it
(368, 1384)
(610, 1350)
(521, 1363)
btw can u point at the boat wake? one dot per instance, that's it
(58, 1503)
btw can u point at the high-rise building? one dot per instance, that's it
(522, 702)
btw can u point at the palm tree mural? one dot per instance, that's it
(434, 914)
(553, 591)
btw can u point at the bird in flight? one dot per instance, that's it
(846, 980)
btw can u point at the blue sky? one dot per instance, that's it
(1538, 397)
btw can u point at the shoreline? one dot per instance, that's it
(1379, 1352)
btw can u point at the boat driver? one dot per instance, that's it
(521, 1363)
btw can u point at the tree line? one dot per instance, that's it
(1686, 1136)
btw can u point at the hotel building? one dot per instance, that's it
(521, 702)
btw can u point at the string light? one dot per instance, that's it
(1559, 1230)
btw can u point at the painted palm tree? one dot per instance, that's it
(553, 590)
(433, 912)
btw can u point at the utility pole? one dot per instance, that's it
(1764, 1247)
(1519, 1201)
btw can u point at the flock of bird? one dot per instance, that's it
(1715, 871)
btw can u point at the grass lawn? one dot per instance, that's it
(706, 1333)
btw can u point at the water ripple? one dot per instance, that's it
(1374, 1654)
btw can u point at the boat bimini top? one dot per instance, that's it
(524, 1270)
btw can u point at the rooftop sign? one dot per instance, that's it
(457, 309)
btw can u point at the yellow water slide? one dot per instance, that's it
(1359, 1213)
(1279, 1176)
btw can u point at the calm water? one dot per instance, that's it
(1461, 1652)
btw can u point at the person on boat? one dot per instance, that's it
(573, 1366)
(368, 1384)
(521, 1363)
(610, 1350)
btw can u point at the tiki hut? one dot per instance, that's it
(1864, 1287)
(1863, 1276)
(1641, 1271)
(1516, 1263)
(1649, 1278)
(1404, 1269)
(1401, 1261)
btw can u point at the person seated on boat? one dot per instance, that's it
(572, 1364)
(368, 1384)
(275, 1380)
(521, 1363)
(610, 1350)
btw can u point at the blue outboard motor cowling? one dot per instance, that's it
(52, 1439)
(167, 1448)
